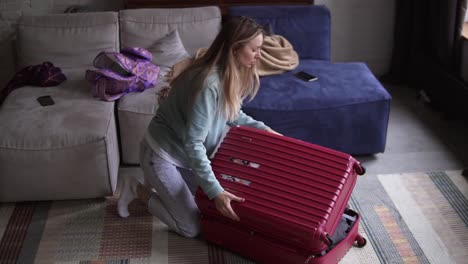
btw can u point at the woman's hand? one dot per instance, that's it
(223, 204)
(272, 131)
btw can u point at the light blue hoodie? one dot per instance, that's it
(191, 136)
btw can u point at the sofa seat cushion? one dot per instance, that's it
(345, 109)
(197, 27)
(134, 112)
(68, 150)
(74, 119)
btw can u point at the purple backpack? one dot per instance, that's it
(117, 73)
(44, 75)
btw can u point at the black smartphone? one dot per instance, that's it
(45, 100)
(305, 76)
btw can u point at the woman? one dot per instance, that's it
(188, 126)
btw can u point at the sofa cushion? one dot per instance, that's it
(306, 27)
(69, 41)
(167, 51)
(345, 109)
(196, 26)
(67, 150)
(135, 111)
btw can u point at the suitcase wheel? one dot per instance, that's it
(360, 170)
(360, 241)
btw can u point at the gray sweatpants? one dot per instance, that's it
(174, 203)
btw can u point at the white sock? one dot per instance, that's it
(128, 193)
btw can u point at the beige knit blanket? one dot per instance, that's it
(278, 56)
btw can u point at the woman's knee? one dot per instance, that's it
(191, 231)
(190, 226)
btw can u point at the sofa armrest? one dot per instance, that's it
(307, 27)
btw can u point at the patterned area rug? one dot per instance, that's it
(406, 218)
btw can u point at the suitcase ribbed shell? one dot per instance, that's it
(295, 192)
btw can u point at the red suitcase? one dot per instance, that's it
(296, 194)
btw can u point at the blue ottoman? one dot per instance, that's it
(346, 109)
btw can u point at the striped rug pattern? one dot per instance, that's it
(415, 217)
(406, 218)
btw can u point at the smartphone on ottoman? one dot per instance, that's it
(306, 76)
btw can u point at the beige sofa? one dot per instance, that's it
(73, 149)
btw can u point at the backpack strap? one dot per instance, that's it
(138, 53)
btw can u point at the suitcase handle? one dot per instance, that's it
(325, 238)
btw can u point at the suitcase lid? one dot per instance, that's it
(293, 189)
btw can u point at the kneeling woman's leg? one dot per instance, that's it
(174, 203)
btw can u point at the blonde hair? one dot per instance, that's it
(238, 82)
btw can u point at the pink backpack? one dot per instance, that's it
(117, 73)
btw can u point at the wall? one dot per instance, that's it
(362, 30)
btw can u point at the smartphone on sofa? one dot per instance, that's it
(305, 76)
